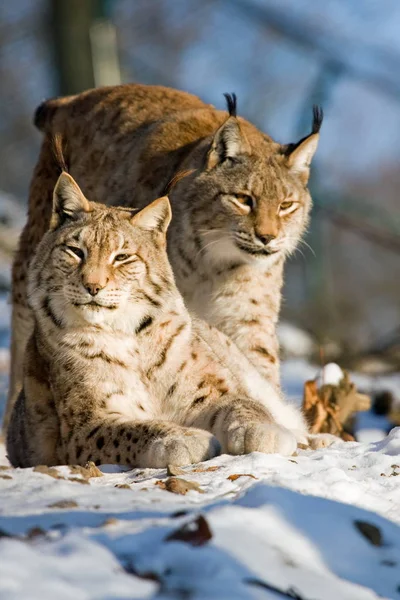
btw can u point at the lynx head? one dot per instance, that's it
(255, 191)
(100, 265)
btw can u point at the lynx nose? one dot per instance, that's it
(93, 288)
(266, 238)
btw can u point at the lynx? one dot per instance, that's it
(239, 212)
(117, 370)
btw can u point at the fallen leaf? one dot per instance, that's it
(110, 521)
(123, 486)
(64, 504)
(35, 532)
(195, 533)
(79, 480)
(93, 470)
(88, 471)
(176, 485)
(236, 476)
(204, 470)
(179, 513)
(50, 471)
(5, 477)
(371, 532)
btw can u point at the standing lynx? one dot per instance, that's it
(238, 213)
(116, 369)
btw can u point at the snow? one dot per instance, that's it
(286, 523)
(331, 374)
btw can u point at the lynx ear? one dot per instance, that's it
(299, 156)
(155, 217)
(68, 201)
(229, 141)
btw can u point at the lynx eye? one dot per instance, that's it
(286, 206)
(245, 199)
(77, 251)
(121, 257)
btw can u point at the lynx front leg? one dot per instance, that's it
(322, 440)
(243, 426)
(137, 444)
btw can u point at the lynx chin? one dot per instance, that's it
(239, 212)
(116, 369)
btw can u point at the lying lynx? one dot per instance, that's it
(116, 370)
(237, 216)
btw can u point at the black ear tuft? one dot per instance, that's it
(318, 117)
(231, 104)
(58, 147)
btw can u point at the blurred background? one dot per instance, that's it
(280, 57)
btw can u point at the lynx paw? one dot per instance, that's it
(260, 437)
(190, 446)
(321, 440)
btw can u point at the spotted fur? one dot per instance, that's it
(117, 370)
(238, 213)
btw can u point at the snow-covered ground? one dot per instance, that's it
(321, 525)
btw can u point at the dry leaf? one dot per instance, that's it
(176, 485)
(79, 480)
(93, 471)
(329, 408)
(110, 521)
(50, 471)
(195, 533)
(64, 504)
(237, 475)
(371, 532)
(204, 470)
(89, 470)
(35, 532)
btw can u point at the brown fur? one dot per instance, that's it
(116, 369)
(125, 144)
